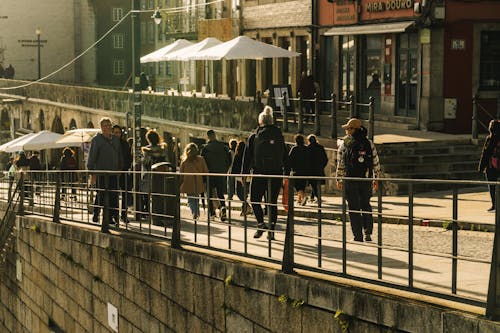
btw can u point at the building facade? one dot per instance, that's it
(60, 40)
(421, 60)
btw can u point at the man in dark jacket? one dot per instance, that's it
(319, 160)
(265, 155)
(106, 155)
(218, 160)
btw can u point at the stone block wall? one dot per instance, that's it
(63, 277)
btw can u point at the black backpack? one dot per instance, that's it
(358, 158)
(268, 150)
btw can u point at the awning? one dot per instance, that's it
(370, 29)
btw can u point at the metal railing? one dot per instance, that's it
(311, 237)
(294, 108)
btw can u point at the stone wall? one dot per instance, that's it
(64, 276)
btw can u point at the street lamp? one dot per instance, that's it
(38, 32)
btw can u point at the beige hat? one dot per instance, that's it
(352, 123)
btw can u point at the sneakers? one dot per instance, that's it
(95, 218)
(260, 231)
(368, 238)
(223, 214)
(270, 235)
(492, 208)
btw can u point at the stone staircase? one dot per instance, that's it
(449, 160)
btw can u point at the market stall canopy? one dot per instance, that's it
(243, 47)
(160, 54)
(190, 52)
(77, 137)
(33, 141)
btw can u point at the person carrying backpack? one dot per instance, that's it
(489, 162)
(357, 158)
(265, 155)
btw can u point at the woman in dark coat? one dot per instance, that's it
(299, 165)
(319, 160)
(485, 163)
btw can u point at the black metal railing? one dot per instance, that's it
(292, 110)
(314, 236)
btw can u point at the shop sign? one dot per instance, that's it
(388, 5)
(345, 12)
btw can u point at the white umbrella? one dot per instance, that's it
(34, 141)
(189, 53)
(77, 137)
(159, 55)
(243, 47)
(14, 141)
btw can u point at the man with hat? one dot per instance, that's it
(357, 158)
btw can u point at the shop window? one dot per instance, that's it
(348, 56)
(372, 68)
(490, 60)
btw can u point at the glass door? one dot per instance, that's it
(408, 76)
(371, 84)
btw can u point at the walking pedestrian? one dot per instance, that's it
(35, 166)
(192, 185)
(125, 179)
(105, 154)
(242, 183)
(155, 152)
(306, 91)
(68, 165)
(230, 180)
(489, 163)
(357, 158)
(265, 155)
(299, 164)
(23, 166)
(319, 160)
(218, 159)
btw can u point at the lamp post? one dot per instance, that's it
(38, 32)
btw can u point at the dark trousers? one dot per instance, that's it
(358, 194)
(109, 183)
(491, 176)
(258, 189)
(315, 187)
(126, 184)
(216, 184)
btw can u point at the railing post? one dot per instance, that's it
(317, 123)
(300, 125)
(288, 249)
(57, 202)
(492, 302)
(351, 107)
(176, 227)
(285, 113)
(371, 117)
(474, 116)
(105, 206)
(333, 117)
(20, 210)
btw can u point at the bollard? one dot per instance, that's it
(284, 111)
(333, 116)
(288, 251)
(474, 116)
(317, 124)
(57, 202)
(371, 118)
(300, 128)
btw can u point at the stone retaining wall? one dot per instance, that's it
(65, 276)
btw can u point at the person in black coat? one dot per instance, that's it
(299, 164)
(319, 160)
(485, 162)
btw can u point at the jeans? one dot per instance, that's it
(216, 184)
(194, 204)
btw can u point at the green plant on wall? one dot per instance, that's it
(343, 319)
(228, 280)
(296, 303)
(35, 228)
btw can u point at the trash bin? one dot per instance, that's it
(163, 193)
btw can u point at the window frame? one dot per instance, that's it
(118, 40)
(116, 14)
(118, 67)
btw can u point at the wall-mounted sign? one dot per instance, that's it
(345, 12)
(380, 6)
(458, 44)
